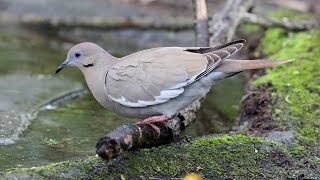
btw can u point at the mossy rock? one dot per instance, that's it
(295, 88)
(234, 156)
(296, 85)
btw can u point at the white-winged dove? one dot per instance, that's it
(156, 83)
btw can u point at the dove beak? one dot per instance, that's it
(63, 65)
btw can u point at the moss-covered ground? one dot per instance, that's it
(224, 156)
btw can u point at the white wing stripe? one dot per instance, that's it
(164, 96)
(179, 85)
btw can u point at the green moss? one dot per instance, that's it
(296, 84)
(229, 140)
(235, 156)
(298, 150)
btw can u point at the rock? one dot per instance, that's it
(285, 137)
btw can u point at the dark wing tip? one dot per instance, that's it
(238, 41)
(203, 50)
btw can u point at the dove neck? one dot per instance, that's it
(95, 78)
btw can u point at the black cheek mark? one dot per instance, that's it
(88, 65)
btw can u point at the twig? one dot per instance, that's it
(201, 16)
(284, 22)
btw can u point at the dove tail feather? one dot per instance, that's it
(232, 66)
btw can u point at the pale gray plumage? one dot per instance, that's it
(158, 81)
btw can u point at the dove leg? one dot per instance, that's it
(155, 119)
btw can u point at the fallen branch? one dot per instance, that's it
(133, 136)
(283, 23)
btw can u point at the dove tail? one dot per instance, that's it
(233, 66)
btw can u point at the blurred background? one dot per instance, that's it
(48, 118)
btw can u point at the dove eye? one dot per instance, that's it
(77, 54)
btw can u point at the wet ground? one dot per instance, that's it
(36, 131)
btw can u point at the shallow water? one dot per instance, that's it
(22, 96)
(71, 130)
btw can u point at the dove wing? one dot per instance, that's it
(155, 76)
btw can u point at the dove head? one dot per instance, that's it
(84, 56)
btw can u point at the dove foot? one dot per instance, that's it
(155, 119)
